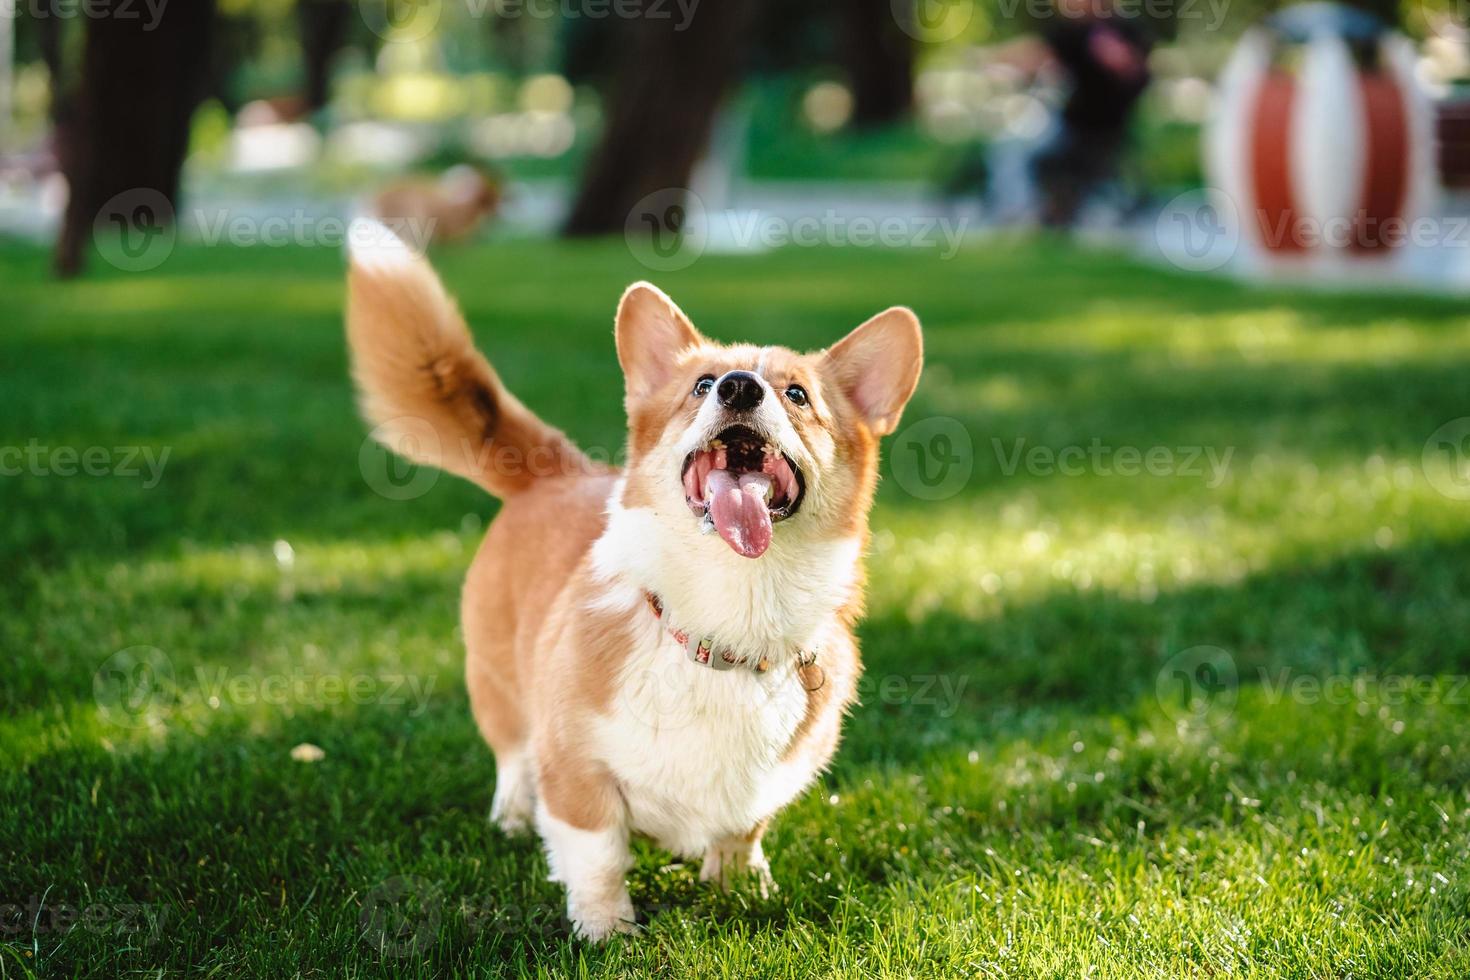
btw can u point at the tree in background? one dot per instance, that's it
(323, 25)
(878, 58)
(128, 124)
(670, 79)
(667, 81)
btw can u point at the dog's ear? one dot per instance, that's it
(651, 332)
(877, 366)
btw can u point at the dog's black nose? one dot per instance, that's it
(740, 391)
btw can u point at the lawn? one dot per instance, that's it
(1126, 487)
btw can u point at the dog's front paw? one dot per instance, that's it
(726, 863)
(596, 921)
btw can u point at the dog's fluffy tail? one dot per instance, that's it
(430, 395)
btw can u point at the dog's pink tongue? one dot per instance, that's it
(738, 508)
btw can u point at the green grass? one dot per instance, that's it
(1023, 791)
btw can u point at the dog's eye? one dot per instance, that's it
(703, 385)
(796, 394)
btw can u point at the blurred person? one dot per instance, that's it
(1102, 56)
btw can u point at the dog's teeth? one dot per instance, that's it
(716, 444)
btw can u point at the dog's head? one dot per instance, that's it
(753, 442)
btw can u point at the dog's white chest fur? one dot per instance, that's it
(698, 753)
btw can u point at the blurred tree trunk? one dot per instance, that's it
(879, 59)
(141, 79)
(49, 42)
(671, 76)
(323, 30)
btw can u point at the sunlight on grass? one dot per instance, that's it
(1134, 537)
(304, 567)
(1265, 335)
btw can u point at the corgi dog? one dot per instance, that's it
(665, 648)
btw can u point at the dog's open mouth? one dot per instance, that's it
(741, 484)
